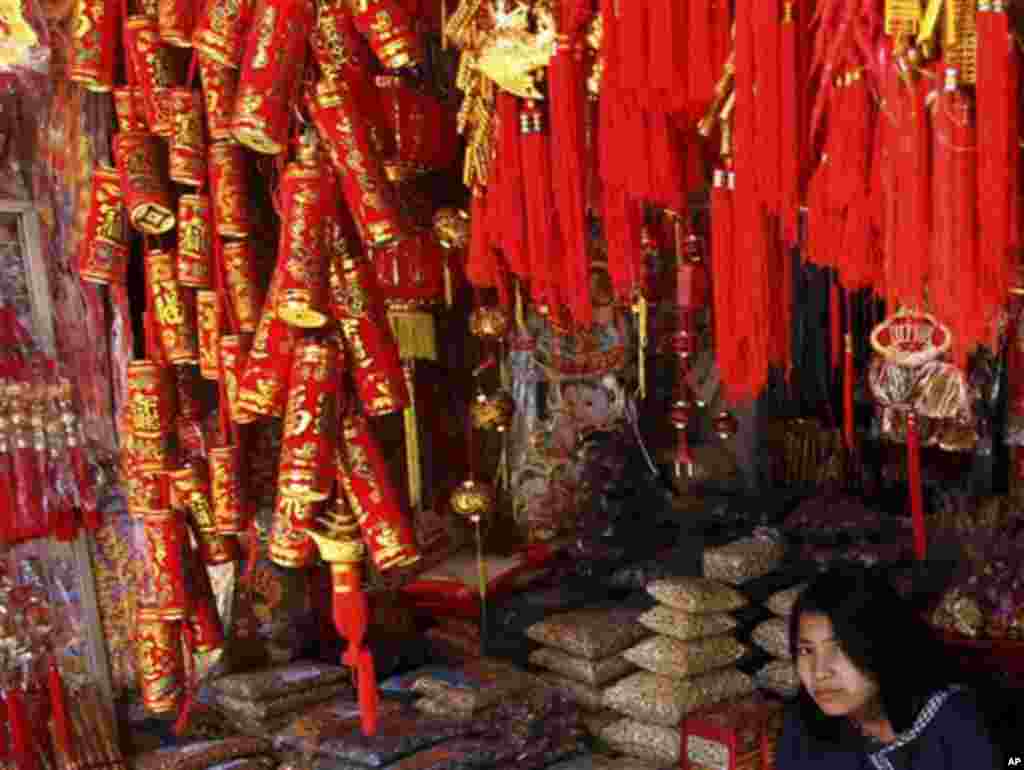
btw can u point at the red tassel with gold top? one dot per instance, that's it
(363, 476)
(103, 250)
(157, 71)
(302, 267)
(271, 69)
(145, 187)
(229, 189)
(96, 28)
(173, 317)
(369, 343)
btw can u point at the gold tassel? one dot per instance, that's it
(926, 33)
(414, 467)
(520, 310)
(449, 291)
(414, 331)
(641, 309)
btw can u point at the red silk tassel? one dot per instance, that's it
(481, 261)
(722, 270)
(789, 134)
(701, 72)
(994, 99)
(59, 710)
(352, 619)
(767, 20)
(22, 745)
(634, 54)
(568, 146)
(541, 222)
(513, 230)
(914, 480)
(668, 58)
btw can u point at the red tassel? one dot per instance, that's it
(701, 72)
(723, 268)
(568, 146)
(767, 19)
(668, 59)
(994, 99)
(513, 230)
(914, 480)
(789, 133)
(480, 262)
(352, 618)
(541, 222)
(634, 53)
(23, 747)
(59, 710)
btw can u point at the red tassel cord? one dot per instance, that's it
(766, 17)
(916, 493)
(568, 144)
(623, 221)
(668, 56)
(789, 131)
(542, 224)
(723, 268)
(667, 169)
(481, 263)
(510, 191)
(634, 53)
(701, 71)
(994, 99)
(23, 748)
(352, 619)
(849, 380)
(59, 711)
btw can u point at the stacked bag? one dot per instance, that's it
(234, 753)
(581, 652)
(261, 702)
(772, 636)
(688, 665)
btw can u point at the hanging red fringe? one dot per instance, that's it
(766, 18)
(568, 151)
(352, 618)
(59, 710)
(728, 348)
(994, 98)
(914, 480)
(480, 260)
(701, 71)
(789, 133)
(541, 222)
(668, 56)
(513, 229)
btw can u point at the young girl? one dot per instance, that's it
(875, 691)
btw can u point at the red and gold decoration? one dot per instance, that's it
(161, 663)
(173, 317)
(220, 86)
(219, 33)
(208, 331)
(156, 71)
(145, 187)
(103, 251)
(195, 242)
(227, 490)
(187, 157)
(242, 289)
(228, 189)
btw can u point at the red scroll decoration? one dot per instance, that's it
(307, 449)
(390, 32)
(103, 251)
(176, 19)
(208, 329)
(302, 292)
(195, 256)
(188, 145)
(363, 475)
(234, 354)
(156, 70)
(341, 121)
(130, 106)
(174, 319)
(243, 291)
(94, 44)
(229, 509)
(161, 661)
(144, 183)
(228, 189)
(219, 34)
(151, 408)
(220, 85)
(263, 389)
(289, 545)
(271, 68)
(369, 343)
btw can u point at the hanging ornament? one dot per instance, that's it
(492, 412)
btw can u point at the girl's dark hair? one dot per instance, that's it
(883, 636)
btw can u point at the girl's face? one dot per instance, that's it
(829, 676)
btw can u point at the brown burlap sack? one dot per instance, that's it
(781, 602)
(661, 700)
(779, 677)
(696, 594)
(669, 621)
(772, 636)
(644, 741)
(676, 658)
(590, 633)
(743, 560)
(592, 672)
(279, 681)
(205, 754)
(587, 696)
